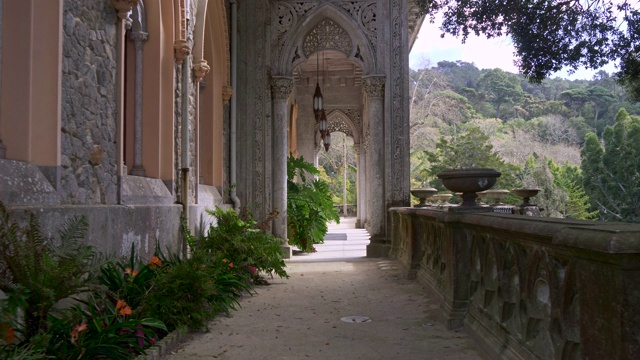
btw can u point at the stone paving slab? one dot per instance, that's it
(300, 318)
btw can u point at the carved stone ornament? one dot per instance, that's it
(327, 35)
(200, 69)
(374, 85)
(138, 37)
(281, 87)
(124, 7)
(182, 50)
(227, 93)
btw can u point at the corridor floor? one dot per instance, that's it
(337, 304)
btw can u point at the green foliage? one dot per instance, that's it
(309, 205)
(129, 280)
(103, 328)
(611, 169)
(500, 88)
(180, 296)
(41, 271)
(243, 243)
(470, 149)
(561, 192)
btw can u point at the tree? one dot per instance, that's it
(562, 194)
(601, 98)
(575, 99)
(611, 169)
(500, 88)
(467, 150)
(551, 34)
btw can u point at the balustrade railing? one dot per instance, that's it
(526, 287)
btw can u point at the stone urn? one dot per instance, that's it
(469, 182)
(496, 195)
(442, 198)
(526, 194)
(423, 194)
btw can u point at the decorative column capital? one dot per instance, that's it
(138, 38)
(123, 7)
(200, 69)
(182, 50)
(281, 87)
(227, 93)
(374, 85)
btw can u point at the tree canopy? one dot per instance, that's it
(551, 34)
(611, 169)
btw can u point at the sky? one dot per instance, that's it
(485, 53)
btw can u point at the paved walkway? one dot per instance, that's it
(303, 317)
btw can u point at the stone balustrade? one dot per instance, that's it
(528, 288)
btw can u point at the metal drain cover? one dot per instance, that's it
(356, 319)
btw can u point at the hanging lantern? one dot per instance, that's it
(327, 141)
(323, 124)
(318, 103)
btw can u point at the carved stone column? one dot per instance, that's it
(138, 38)
(360, 190)
(200, 69)
(281, 87)
(374, 88)
(123, 7)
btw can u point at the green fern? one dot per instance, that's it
(46, 270)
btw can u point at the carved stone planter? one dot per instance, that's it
(496, 195)
(526, 194)
(469, 182)
(423, 194)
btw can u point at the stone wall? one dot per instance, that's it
(88, 135)
(528, 288)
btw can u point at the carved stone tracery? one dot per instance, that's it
(327, 35)
(288, 14)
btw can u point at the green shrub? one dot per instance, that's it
(102, 328)
(180, 296)
(36, 272)
(309, 205)
(242, 243)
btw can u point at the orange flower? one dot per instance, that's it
(155, 262)
(76, 330)
(7, 332)
(130, 272)
(230, 265)
(122, 308)
(224, 260)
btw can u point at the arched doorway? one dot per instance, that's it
(340, 80)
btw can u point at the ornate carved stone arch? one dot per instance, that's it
(340, 120)
(293, 39)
